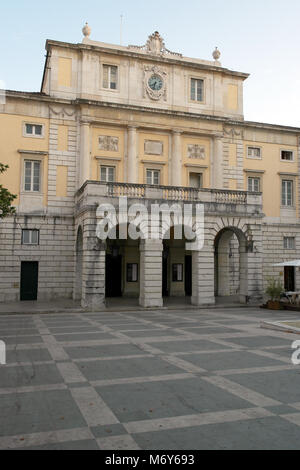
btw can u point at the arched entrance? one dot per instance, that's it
(176, 267)
(230, 271)
(77, 293)
(122, 267)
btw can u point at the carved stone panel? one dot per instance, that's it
(196, 152)
(108, 143)
(153, 147)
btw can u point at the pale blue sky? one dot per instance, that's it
(261, 37)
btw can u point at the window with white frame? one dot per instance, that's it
(197, 89)
(107, 174)
(33, 130)
(32, 175)
(253, 184)
(289, 243)
(254, 152)
(177, 272)
(287, 198)
(287, 155)
(132, 272)
(110, 77)
(30, 237)
(153, 176)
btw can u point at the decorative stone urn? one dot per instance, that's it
(86, 30)
(216, 54)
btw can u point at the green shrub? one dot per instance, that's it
(274, 288)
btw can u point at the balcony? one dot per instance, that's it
(221, 201)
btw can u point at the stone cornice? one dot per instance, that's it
(42, 97)
(109, 49)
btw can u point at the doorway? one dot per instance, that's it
(29, 280)
(289, 278)
(188, 275)
(113, 275)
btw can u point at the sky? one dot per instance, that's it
(260, 37)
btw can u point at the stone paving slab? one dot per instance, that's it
(138, 379)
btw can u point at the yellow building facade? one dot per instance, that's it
(154, 126)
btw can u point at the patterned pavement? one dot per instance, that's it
(184, 379)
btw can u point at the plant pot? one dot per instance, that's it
(274, 305)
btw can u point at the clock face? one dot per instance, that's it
(155, 83)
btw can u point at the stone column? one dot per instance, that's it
(223, 264)
(176, 162)
(203, 276)
(93, 277)
(132, 155)
(84, 173)
(217, 162)
(151, 273)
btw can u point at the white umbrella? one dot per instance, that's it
(296, 262)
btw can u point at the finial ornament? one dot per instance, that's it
(86, 30)
(216, 54)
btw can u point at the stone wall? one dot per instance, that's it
(55, 254)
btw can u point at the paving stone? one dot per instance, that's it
(132, 402)
(230, 360)
(263, 434)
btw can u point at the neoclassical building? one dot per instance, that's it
(149, 124)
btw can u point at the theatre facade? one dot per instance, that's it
(155, 127)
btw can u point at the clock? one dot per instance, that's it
(155, 82)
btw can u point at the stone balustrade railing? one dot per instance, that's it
(169, 193)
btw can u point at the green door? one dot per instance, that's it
(29, 280)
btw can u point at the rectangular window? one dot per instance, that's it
(110, 77)
(195, 180)
(32, 175)
(177, 272)
(287, 155)
(30, 237)
(197, 87)
(107, 174)
(153, 177)
(289, 243)
(132, 272)
(254, 152)
(253, 184)
(287, 193)
(33, 130)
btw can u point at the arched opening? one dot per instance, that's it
(176, 267)
(231, 265)
(122, 267)
(77, 294)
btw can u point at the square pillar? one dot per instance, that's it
(255, 289)
(93, 277)
(151, 273)
(203, 288)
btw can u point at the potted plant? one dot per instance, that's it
(274, 289)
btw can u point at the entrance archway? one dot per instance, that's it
(176, 267)
(122, 267)
(230, 272)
